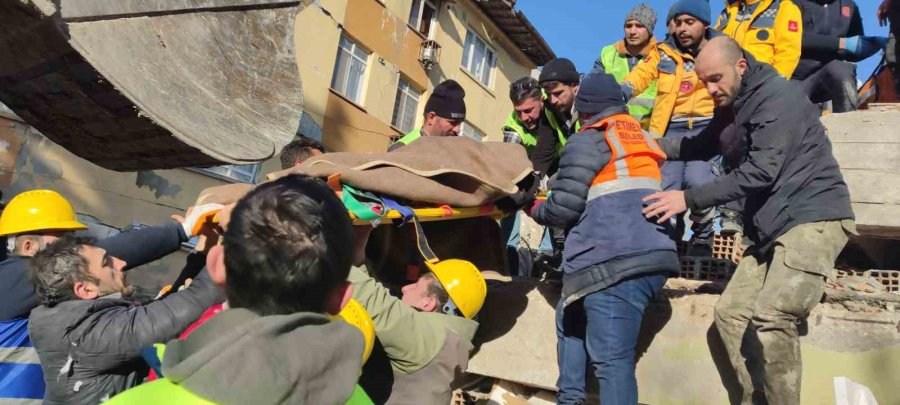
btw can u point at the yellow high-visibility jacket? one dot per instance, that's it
(771, 30)
(678, 92)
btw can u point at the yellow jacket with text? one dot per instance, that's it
(679, 93)
(771, 30)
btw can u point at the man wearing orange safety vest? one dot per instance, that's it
(611, 250)
(770, 30)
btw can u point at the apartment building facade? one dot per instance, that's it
(368, 66)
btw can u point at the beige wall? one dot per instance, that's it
(382, 28)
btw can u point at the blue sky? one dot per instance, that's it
(578, 29)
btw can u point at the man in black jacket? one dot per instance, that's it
(797, 214)
(833, 39)
(87, 331)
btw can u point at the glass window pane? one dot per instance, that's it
(488, 67)
(398, 102)
(467, 50)
(414, 13)
(478, 58)
(428, 13)
(339, 77)
(354, 78)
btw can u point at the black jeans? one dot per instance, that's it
(835, 82)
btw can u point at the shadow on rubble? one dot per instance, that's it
(656, 316)
(504, 304)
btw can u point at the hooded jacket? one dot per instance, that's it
(679, 93)
(786, 169)
(239, 357)
(608, 238)
(90, 349)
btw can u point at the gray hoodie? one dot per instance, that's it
(239, 357)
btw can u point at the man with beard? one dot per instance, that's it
(88, 332)
(619, 58)
(682, 109)
(797, 215)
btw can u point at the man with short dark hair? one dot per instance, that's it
(619, 58)
(531, 121)
(797, 214)
(683, 108)
(88, 333)
(287, 251)
(445, 111)
(298, 151)
(560, 80)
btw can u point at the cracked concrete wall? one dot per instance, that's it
(28, 161)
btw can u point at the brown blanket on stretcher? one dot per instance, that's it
(445, 170)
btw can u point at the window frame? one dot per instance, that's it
(468, 57)
(417, 22)
(475, 130)
(229, 172)
(359, 97)
(399, 109)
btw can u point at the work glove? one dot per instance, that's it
(196, 216)
(528, 188)
(861, 47)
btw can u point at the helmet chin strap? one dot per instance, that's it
(11, 243)
(450, 308)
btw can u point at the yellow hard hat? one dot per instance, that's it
(354, 314)
(38, 210)
(464, 284)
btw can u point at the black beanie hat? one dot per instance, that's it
(559, 70)
(446, 100)
(598, 92)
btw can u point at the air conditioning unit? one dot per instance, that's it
(429, 53)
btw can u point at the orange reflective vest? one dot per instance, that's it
(635, 161)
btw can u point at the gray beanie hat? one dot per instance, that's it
(643, 14)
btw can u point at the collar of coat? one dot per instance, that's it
(756, 75)
(622, 50)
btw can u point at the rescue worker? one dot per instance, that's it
(833, 38)
(284, 262)
(771, 30)
(615, 261)
(532, 118)
(797, 215)
(683, 108)
(621, 57)
(88, 330)
(35, 219)
(298, 151)
(426, 334)
(559, 79)
(445, 111)
(889, 13)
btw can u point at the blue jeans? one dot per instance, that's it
(677, 175)
(601, 331)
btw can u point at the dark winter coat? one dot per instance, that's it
(825, 22)
(90, 349)
(136, 247)
(786, 171)
(608, 238)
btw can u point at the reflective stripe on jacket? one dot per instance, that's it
(615, 63)
(676, 87)
(21, 378)
(771, 30)
(406, 139)
(635, 158)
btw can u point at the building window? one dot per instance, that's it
(350, 70)
(467, 130)
(405, 106)
(240, 173)
(423, 17)
(478, 58)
